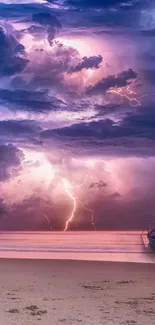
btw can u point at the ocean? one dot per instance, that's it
(131, 246)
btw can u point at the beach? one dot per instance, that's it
(71, 292)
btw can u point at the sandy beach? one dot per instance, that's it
(71, 292)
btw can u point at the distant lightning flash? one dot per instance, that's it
(87, 209)
(92, 215)
(48, 220)
(134, 102)
(132, 97)
(82, 184)
(67, 187)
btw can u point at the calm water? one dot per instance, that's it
(100, 246)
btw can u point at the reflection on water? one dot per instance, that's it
(100, 246)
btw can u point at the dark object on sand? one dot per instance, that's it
(151, 237)
(13, 311)
(32, 307)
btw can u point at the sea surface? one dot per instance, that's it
(99, 246)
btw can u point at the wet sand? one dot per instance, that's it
(51, 292)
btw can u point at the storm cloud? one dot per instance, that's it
(112, 81)
(100, 3)
(51, 22)
(11, 60)
(29, 100)
(61, 126)
(10, 161)
(133, 134)
(92, 62)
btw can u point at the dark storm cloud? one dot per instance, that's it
(100, 3)
(112, 212)
(46, 19)
(3, 208)
(133, 135)
(38, 32)
(134, 125)
(94, 21)
(76, 14)
(73, 16)
(98, 16)
(18, 128)
(37, 14)
(143, 122)
(115, 195)
(48, 68)
(11, 61)
(27, 100)
(51, 22)
(111, 109)
(148, 57)
(29, 213)
(64, 60)
(99, 184)
(149, 74)
(122, 79)
(118, 31)
(21, 11)
(148, 33)
(20, 214)
(125, 213)
(10, 161)
(102, 129)
(92, 62)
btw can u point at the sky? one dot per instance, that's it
(77, 114)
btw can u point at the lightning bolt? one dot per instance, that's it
(92, 219)
(134, 102)
(131, 95)
(48, 220)
(67, 187)
(146, 95)
(84, 182)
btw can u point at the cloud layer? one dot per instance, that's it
(77, 113)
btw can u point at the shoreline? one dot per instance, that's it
(57, 260)
(96, 265)
(101, 257)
